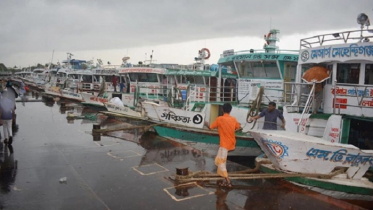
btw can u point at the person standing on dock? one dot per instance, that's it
(227, 125)
(6, 118)
(114, 81)
(270, 117)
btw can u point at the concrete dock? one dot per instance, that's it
(55, 164)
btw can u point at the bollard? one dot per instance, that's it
(182, 171)
(96, 126)
(96, 137)
(37, 95)
(33, 94)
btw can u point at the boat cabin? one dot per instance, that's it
(346, 92)
(268, 68)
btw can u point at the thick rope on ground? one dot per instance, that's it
(245, 175)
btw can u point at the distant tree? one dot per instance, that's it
(3, 67)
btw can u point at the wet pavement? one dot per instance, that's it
(124, 170)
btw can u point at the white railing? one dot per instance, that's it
(277, 51)
(360, 92)
(336, 38)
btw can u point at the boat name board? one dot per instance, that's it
(197, 119)
(106, 71)
(352, 91)
(340, 53)
(259, 56)
(98, 99)
(143, 70)
(340, 156)
(117, 108)
(67, 93)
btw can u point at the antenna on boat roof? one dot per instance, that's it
(151, 57)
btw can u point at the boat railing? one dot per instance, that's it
(337, 38)
(362, 93)
(296, 96)
(277, 51)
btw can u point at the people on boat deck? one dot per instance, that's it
(227, 125)
(114, 81)
(121, 86)
(318, 97)
(270, 117)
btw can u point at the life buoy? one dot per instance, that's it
(208, 52)
(269, 34)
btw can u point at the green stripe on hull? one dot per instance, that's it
(200, 137)
(323, 185)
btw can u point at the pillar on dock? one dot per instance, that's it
(182, 171)
(96, 126)
(96, 137)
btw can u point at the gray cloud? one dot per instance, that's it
(36, 26)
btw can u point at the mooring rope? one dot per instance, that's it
(255, 107)
(248, 174)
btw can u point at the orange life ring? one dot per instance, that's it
(208, 53)
(269, 34)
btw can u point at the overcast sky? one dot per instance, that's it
(175, 29)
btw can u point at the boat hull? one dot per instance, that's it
(208, 141)
(122, 110)
(336, 187)
(93, 100)
(71, 95)
(300, 153)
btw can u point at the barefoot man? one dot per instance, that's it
(227, 125)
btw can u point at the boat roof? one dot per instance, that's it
(105, 71)
(142, 70)
(74, 61)
(345, 46)
(86, 72)
(202, 73)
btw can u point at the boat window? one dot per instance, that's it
(348, 73)
(290, 72)
(260, 70)
(143, 77)
(108, 78)
(96, 78)
(189, 79)
(198, 80)
(181, 79)
(86, 78)
(369, 74)
(73, 76)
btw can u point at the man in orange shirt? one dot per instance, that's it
(227, 125)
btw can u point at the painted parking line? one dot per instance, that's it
(150, 169)
(121, 155)
(188, 191)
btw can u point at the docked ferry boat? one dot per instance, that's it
(236, 80)
(335, 135)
